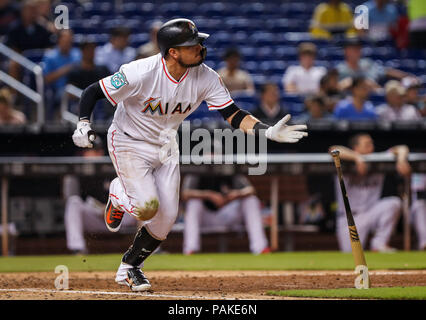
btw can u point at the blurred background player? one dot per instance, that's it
(418, 208)
(221, 201)
(235, 79)
(85, 201)
(372, 213)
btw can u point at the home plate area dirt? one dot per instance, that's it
(188, 285)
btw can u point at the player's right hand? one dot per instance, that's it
(83, 135)
(281, 132)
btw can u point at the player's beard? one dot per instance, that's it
(203, 54)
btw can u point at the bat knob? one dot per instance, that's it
(92, 135)
(335, 153)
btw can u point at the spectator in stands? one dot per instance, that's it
(417, 28)
(418, 208)
(236, 80)
(372, 213)
(332, 18)
(330, 90)
(9, 13)
(395, 108)
(304, 78)
(269, 110)
(412, 96)
(57, 64)
(220, 201)
(117, 51)
(382, 17)
(45, 18)
(354, 66)
(27, 33)
(151, 48)
(8, 115)
(356, 107)
(87, 73)
(85, 201)
(316, 109)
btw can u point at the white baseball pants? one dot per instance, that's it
(246, 210)
(418, 211)
(379, 219)
(145, 176)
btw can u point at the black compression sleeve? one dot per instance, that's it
(88, 100)
(238, 118)
(228, 111)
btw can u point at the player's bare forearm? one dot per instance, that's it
(241, 193)
(346, 153)
(401, 152)
(195, 194)
(247, 123)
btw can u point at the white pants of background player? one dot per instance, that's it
(86, 216)
(418, 211)
(379, 219)
(145, 174)
(246, 210)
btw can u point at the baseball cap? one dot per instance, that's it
(394, 85)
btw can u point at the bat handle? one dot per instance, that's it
(336, 156)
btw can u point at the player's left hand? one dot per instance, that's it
(281, 132)
(83, 135)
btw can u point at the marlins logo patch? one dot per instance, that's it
(118, 80)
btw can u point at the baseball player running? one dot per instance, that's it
(153, 96)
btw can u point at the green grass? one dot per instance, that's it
(230, 261)
(394, 293)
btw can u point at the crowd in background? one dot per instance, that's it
(340, 92)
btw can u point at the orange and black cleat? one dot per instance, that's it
(113, 217)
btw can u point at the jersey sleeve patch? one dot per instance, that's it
(118, 80)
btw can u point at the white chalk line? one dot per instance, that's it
(138, 294)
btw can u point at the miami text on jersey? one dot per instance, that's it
(154, 106)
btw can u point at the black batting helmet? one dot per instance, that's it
(178, 33)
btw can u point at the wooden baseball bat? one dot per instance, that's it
(357, 251)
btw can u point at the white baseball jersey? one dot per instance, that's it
(150, 100)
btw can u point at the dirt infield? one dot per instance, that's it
(175, 285)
